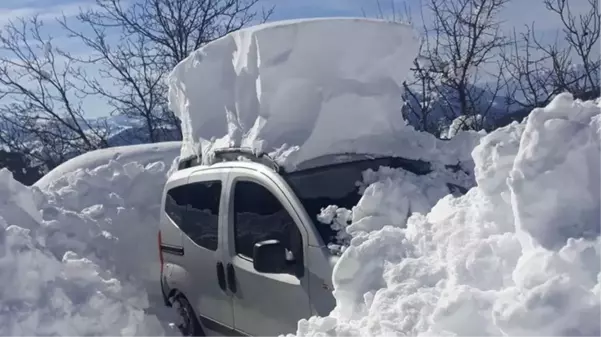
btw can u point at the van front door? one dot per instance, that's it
(265, 304)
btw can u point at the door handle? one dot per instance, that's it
(231, 278)
(221, 276)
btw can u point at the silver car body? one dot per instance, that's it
(263, 304)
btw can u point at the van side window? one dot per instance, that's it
(175, 204)
(259, 216)
(202, 215)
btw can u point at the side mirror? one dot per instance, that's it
(269, 256)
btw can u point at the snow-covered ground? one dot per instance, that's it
(519, 254)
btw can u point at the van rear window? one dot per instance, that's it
(194, 208)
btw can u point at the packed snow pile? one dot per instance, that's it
(143, 154)
(302, 89)
(399, 192)
(519, 254)
(71, 262)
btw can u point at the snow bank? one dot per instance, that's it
(302, 89)
(48, 290)
(519, 254)
(78, 251)
(105, 213)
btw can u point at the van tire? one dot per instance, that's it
(188, 323)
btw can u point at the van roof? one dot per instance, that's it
(415, 166)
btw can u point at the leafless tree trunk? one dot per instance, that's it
(41, 115)
(138, 42)
(420, 94)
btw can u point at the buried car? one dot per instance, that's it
(241, 250)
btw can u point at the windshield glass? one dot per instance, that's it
(337, 185)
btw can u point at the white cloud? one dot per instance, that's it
(520, 13)
(44, 13)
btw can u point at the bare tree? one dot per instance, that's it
(582, 34)
(538, 71)
(457, 69)
(535, 73)
(41, 115)
(139, 42)
(136, 89)
(421, 95)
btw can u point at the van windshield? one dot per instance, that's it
(336, 184)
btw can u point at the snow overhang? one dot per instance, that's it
(299, 90)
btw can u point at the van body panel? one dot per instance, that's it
(262, 304)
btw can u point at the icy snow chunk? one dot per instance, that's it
(494, 157)
(13, 192)
(338, 219)
(556, 177)
(302, 88)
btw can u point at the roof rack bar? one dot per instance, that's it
(231, 154)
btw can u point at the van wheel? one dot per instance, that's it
(187, 322)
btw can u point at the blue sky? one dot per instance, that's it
(517, 14)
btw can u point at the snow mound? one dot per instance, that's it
(389, 193)
(105, 213)
(51, 291)
(142, 154)
(78, 252)
(302, 89)
(519, 254)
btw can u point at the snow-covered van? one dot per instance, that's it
(241, 249)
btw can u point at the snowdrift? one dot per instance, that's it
(78, 251)
(142, 154)
(519, 254)
(302, 89)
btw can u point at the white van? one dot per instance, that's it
(241, 250)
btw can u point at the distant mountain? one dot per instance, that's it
(495, 105)
(118, 130)
(123, 130)
(502, 107)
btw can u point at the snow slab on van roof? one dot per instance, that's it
(302, 89)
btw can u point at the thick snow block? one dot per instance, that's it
(299, 89)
